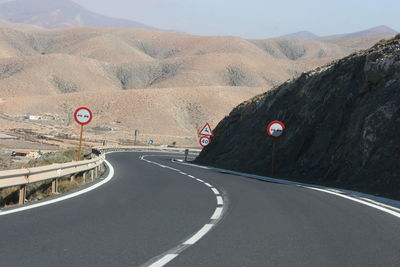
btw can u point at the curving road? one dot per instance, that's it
(155, 211)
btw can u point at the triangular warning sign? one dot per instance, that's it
(206, 130)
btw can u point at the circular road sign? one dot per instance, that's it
(275, 129)
(205, 141)
(83, 116)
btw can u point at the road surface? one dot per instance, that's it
(151, 214)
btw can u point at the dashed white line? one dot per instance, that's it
(220, 201)
(164, 260)
(217, 213)
(214, 219)
(215, 191)
(197, 236)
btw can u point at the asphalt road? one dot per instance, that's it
(147, 213)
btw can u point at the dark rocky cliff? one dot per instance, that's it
(343, 126)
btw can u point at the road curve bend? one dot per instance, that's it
(156, 212)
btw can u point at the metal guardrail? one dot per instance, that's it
(24, 177)
(144, 148)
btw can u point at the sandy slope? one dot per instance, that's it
(165, 115)
(160, 82)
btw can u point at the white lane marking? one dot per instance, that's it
(357, 200)
(217, 213)
(215, 191)
(197, 236)
(81, 192)
(220, 201)
(183, 173)
(214, 220)
(164, 260)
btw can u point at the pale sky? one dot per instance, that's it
(254, 18)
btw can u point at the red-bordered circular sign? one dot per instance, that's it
(276, 129)
(205, 141)
(83, 116)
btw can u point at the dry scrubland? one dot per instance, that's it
(164, 84)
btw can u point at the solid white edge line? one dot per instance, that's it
(367, 203)
(217, 213)
(197, 236)
(357, 200)
(164, 260)
(81, 192)
(215, 191)
(220, 200)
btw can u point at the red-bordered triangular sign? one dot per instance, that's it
(206, 130)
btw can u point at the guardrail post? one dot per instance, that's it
(54, 186)
(22, 195)
(72, 179)
(84, 177)
(92, 174)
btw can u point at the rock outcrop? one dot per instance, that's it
(343, 126)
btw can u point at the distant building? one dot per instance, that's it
(34, 117)
(28, 154)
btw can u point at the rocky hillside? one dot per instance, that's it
(343, 126)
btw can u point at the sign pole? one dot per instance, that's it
(134, 143)
(273, 157)
(275, 130)
(82, 116)
(80, 144)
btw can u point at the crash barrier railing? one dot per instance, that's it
(27, 176)
(145, 148)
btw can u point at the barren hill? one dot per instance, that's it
(52, 66)
(342, 126)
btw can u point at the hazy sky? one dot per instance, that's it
(254, 18)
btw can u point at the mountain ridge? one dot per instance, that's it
(309, 36)
(60, 14)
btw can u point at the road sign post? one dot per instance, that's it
(136, 134)
(205, 135)
(275, 130)
(206, 130)
(205, 141)
(83, 116)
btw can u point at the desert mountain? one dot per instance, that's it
(41, 71)
(309, 36)
(342, 126)
(91, 59)
(55, 14)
